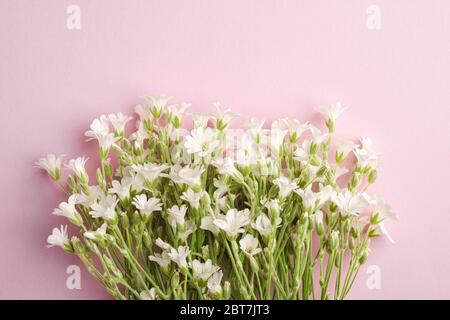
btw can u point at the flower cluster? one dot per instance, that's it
(216, 213)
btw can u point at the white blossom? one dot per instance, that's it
(203, 270)
(264, 226)
(179, 256)
(214, 283)
(97, 234)
(176, 216)
(58, 238)
(148, 294)
(105, 208)
(250, 245)
(163, 259)
(285, 185)
(146, 206)
(51, 164)
(119, 121)
(193, 198)
(233, 222)
(201, 142)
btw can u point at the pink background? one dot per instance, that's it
(265, 58)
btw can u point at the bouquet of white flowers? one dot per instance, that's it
(216, 213)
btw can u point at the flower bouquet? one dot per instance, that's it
(216, 213)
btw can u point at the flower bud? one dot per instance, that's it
(71, 183)
(175, 280)
(205, 252)
(226, 290)
(372, 176)
(254, 264)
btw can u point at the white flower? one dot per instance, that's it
(233, 221)
(382, 211)
(51, 164)
(97, 234)
(99, 127)
(285, 185)
(294, 127)
(366, 155)
(146, 206)
(148, 294)
(68, 210)
(313, 200)
(343, 148)
(187, 175)
(226, 167)
(250, 245)
(95, 193)
(176, 113)
(58, 238)
(318, 217)
(192, 197)
(176, 216)
(143, 112)
(105, 208)
(157, 104)
(162, 259)
(200, 120)
(179, 256)
(122, 188)
(349, 203)
(214, 283)
(204, 270)
(302, 153)
(201, 142)
(318, 136)
(222, 118)
(332, 112)
(106, 141)
(276, 139)
(119, 121)
(148, 171)
(77, 166)
(162, 244)
(208, 224)
(264, 226)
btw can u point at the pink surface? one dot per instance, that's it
(262, 58)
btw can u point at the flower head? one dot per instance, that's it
(250, 245)
(68, 210)
(119, 121)
(179, 256)
(146, 206)
(233, 222)
(77, 166)
(201, 142)
(192, 197)
(176, 216)
(59, 238)
(204, 270)
(51, 164)
(105, 208)
(214, 283)
(162, 259)
(264, 226)
(285, 185)
(98, 234)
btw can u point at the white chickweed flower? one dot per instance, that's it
(264, 226)
(68, 210)
(204, 270)
(105, 208)
(250, 245)
(77, 166)
(208, 224)
(51, 164)
(98, 234)
(59, 238)
(119, 121)
(193, 198)
(148, 294)
(176, 216)
(162, 259)
(233, 222)
(214, 283)
(146, 206)
(285, 185)
(201, 142)
(179, 256)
